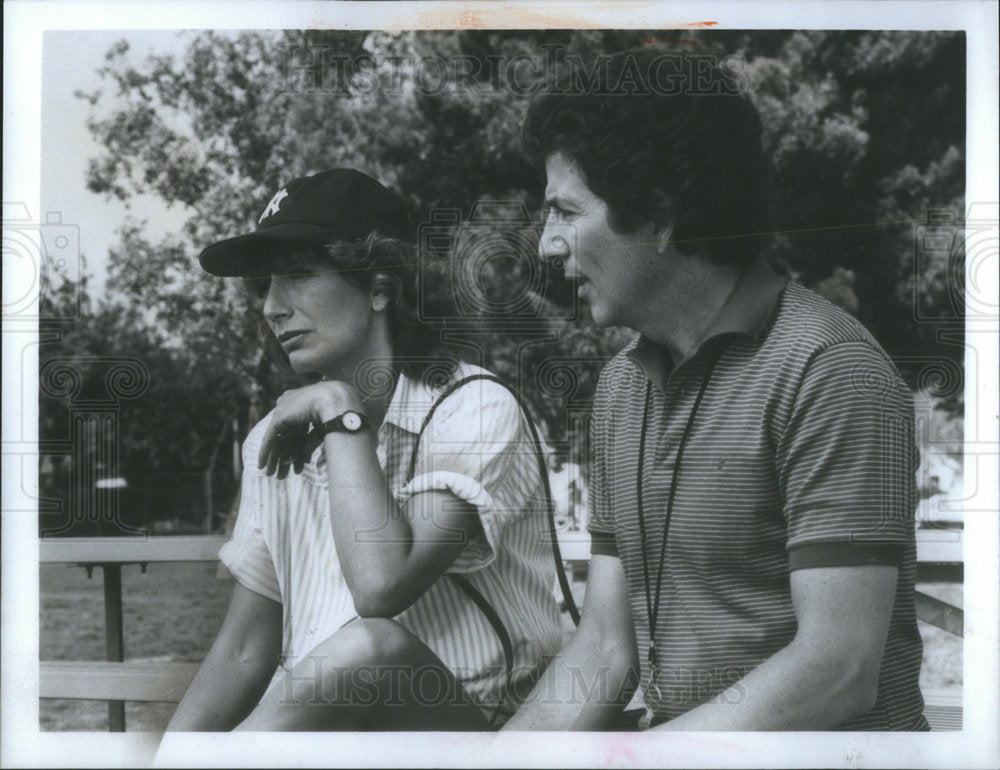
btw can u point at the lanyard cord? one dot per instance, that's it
(653, 607)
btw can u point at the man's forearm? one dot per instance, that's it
(792, 690)
(828, 673)
(584, 688)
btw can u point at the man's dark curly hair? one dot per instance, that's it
(662, 136)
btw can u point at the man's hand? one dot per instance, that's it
(286, 443)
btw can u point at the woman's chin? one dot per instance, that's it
(302, 364)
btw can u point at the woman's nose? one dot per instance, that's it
(275, 306)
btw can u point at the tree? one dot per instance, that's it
(438, 114)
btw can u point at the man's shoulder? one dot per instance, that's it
(811, 323)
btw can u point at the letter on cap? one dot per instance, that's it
(274, 205)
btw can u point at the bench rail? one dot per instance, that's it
(117, 680)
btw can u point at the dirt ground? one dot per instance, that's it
(173, 612)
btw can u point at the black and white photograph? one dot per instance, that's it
(490, 384)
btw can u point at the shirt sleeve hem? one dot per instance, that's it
(603, 543)
(229, 555)
(841, 554)
(479, 553)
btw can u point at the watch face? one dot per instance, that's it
(352, 421)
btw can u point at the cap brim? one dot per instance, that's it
(251, 254)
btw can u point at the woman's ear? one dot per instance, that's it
(381, 292)
(385, 290)
(380, 300)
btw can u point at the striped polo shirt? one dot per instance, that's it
(801, 454)
(478, 447)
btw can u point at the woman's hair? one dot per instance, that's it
(387, 265)
(382, 264)
(662, 136)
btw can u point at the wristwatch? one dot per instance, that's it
(348, 422)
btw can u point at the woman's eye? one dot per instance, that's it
(295, 272)
(257, 287)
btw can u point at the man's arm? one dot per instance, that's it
(592, 678)
(828, 673)
(237, 669)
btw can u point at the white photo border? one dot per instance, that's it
(22, 743)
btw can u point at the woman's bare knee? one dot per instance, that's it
(378, 640)
(371, 674)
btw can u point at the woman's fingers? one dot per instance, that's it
(282, 448)
(287, 444)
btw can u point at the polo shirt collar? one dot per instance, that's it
(746, 312)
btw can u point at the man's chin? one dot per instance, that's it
(598, 315)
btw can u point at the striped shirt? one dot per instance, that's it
(478, 447)
(801, 455)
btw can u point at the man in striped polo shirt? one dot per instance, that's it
(752, 478)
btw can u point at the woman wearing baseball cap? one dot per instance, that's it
(391, 563)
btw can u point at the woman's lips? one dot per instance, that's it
(291, 338)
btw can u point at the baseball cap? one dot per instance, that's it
(338, 204)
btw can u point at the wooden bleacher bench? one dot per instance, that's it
(117, 680)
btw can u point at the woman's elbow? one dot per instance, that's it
(379, 601)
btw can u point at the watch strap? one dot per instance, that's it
(337, 424)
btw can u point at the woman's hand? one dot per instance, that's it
(286, 443)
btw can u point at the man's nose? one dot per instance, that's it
(554, 245)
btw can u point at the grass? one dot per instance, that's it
(173, 612)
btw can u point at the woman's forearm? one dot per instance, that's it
(222, 694)
(238, 668)
(374, 540)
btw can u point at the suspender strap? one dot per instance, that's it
(542, 472)
(501, 631)
(460, 580)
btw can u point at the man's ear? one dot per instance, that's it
(663, 221)
(663, 235)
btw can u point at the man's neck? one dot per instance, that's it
(690, 305)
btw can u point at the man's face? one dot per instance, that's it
(617, 272)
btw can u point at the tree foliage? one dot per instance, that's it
(437, 115)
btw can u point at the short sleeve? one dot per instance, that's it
(477, 446)
(600, 519)
(246, 555)
(847, 458)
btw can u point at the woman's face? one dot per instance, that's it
(323, 323)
